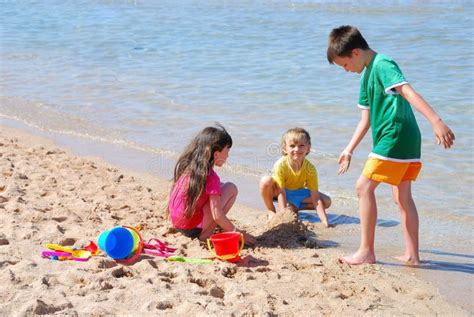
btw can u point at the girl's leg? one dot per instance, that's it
(365, 189)
(268, 190)
(228, 195)
(409, 216)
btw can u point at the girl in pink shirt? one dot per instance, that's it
(198, 200)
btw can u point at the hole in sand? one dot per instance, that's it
(122, 272)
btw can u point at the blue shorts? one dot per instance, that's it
(296, 197)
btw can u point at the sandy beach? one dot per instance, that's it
(49, 195)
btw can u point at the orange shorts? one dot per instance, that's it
(390, 172)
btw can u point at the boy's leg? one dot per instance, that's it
(365, 189)
(268, 190)
(324, 202)
(324, 199)
(228, 196)
(409, 216)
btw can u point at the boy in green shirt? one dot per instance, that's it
(384, 99)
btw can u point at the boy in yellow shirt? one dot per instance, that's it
(294, 181)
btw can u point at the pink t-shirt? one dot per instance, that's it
(178, 199)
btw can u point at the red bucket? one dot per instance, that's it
(227, 245)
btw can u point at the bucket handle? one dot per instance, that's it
(226, 257)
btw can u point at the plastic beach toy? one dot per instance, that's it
(92, 248)
(226, 246)
(118, 242)
(156, 247)
(125, 245)
(179, 258)
(61, 256)
(77, 255)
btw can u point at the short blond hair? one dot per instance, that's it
(294, 134)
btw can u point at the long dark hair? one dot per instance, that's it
(198, 159)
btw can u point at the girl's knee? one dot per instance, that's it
(231, 188)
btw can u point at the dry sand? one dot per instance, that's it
(48, 195)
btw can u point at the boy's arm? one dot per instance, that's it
(319, 207)
(443, 133)
(282, 200)
(362, 127)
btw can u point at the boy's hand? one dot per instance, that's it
(443, 134)
(344, 162)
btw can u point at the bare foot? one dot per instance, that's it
(357, 259)
(408, 260)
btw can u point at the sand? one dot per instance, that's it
(49, 195)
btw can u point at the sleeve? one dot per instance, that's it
(312, 177)
(278, 174)
(213, 184)
(390, 76)
(363, 99)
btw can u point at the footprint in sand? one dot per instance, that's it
(59, 219)
(4, 240)
(199, 281)
(104, 285)
(107, 264)
(122, 272)
(228, 272)
(67, 242)
(217, 292)
(263, 269)
(164, 305)
(60, 229)
(167, 277)
(42, 308)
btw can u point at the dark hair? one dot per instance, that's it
(294, 134)
(198, 159)
(343, 40)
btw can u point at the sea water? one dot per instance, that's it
(148, 75)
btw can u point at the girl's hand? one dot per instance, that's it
(443, 134)
(344, 162)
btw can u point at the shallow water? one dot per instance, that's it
(148, 76)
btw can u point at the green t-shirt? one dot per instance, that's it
(395, 133)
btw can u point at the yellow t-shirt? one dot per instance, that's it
(287, 178)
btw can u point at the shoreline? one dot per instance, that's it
(51, 195)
